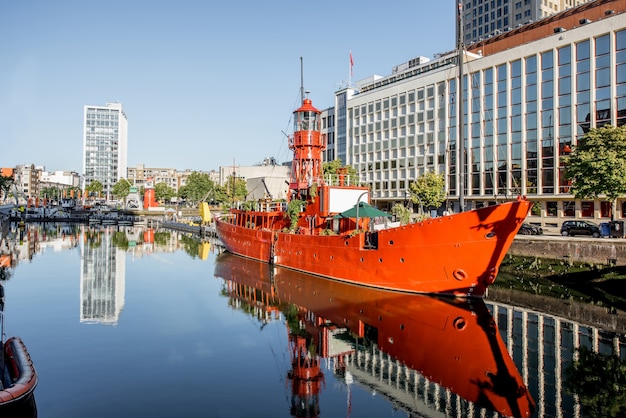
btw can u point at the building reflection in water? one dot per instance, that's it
(102, 278)
(424, 354)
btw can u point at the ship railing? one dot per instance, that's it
(263, 206)
(343, 180)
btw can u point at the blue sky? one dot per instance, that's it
(204, 84)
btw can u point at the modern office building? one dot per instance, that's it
(529, 95)
(483, 19)
(105, 134)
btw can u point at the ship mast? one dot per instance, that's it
(460, 123)
(307, 144)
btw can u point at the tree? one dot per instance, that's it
(597, 165)
(94, 188)
(402, 212)
(163, 192)
(121, 189)
(239, 186)
(197, 186)
(598, 379)
(428, 190)
(5, 186)
(49, 192)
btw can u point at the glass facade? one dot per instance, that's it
(104, 145)
(521, 117)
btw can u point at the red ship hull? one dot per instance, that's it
(457, 254)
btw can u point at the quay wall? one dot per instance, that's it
(579, 250)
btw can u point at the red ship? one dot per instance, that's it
(449, 341)
(314, 231)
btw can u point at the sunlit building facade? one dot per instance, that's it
(528, 96)
(105, 135)
(483, 19)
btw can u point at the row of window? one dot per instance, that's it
(532, 117)
(585, 209)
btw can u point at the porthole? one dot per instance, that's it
(362, 259)
(390, 242)
(402, 259)
(332, 257)
(380, 260)
(490, 235)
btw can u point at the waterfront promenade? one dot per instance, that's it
(604, 250)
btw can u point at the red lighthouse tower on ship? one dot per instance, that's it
(307, 144)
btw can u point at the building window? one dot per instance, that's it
(605, 209)
(551, 208)
(586, 209)
(569, 208)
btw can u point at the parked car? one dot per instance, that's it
(530, 229)
(572, 228)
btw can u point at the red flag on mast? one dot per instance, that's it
(351, 63)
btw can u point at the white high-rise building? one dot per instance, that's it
(105, 148)
(483, 19)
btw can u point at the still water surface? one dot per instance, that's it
(137, 323)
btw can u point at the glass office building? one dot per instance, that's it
(525, 104)
(105, 132)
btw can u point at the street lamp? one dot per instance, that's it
(357, 207)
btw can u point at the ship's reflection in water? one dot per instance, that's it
(423, 353)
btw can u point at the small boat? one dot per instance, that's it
(18, 377)
(326, 228)
(453, 342)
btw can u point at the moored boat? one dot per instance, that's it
(457, 254)
(18, 377)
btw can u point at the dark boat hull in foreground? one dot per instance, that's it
(19, 378)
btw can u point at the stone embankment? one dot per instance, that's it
(611, 251)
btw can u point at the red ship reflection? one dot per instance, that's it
(454, 343)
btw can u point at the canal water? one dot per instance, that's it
(135, 322)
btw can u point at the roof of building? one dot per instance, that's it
(559, 22)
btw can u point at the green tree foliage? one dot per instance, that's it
(597, 165)
(238, 185)
(428, 190)
(94, 188)
(294, 207)
(402, 212)
(5, 186)
(121, 189)
(197, 187)
(599, 380)
(163, 192)
(49, 192)
(332, 167)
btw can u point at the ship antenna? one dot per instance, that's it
(460, 123)
(301, 80)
